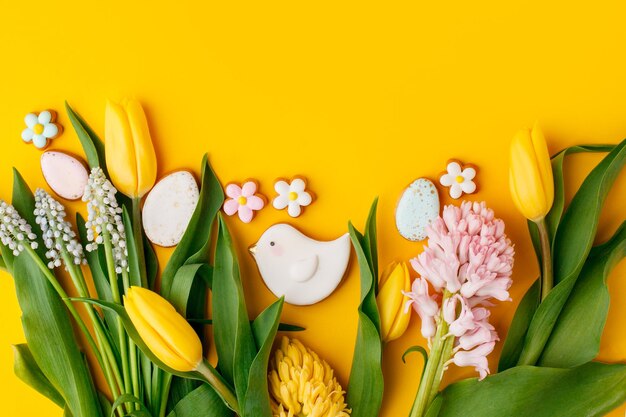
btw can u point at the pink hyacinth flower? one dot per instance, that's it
(243, 201)
(476, 357)
(424, 305)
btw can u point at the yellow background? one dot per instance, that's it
(360, 97)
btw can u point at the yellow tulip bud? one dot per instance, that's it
(393, 318)
(168, 335)
(530, 174)
(130, 156)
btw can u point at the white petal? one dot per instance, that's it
(27, 134)
(297, 185)
(304, 198)
(50, 130)
(31, 120)
(468, 187)
(45, 117)
(281, 202)
(454, 168)
(446, 180)
(40, 141)
(281, 187)
(294, 209)
(469, 173)
(455, 190)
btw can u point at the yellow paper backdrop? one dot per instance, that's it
(360, 97)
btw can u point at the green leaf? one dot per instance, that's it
(365, 389)
(282, 327)
(370, 243)
(91, 143)
(202, 401)
(189, 289)
(194, 245)
(130, 399)
(51, 340)
(589, 390)
(231, 329)
(152, 263)
(27, 369)
(514, 342)
(573, 241)
(3, 265)
(575, 338)
(131, 247)
(416, 348)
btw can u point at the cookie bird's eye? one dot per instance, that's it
(272, 243)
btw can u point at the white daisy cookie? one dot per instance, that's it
(292, 196)
(459, 178)
(41, 128)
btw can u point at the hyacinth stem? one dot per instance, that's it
(213, 379)
(433, 372)
(138, 238)
(547, 279)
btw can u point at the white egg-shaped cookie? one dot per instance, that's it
(417, 208)
(168, 208)
(65, 174)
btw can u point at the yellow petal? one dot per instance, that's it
(386, 273)
(401, 321)
(153, 340)
(390, 298)
(526, 177)
(145, 156)
(120, 150)
(169, 324)
(543, 163)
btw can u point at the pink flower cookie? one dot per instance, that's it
(243, 200)
(459, 178)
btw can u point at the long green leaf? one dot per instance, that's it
(91, 143)
(193, 247)
(231, 327)
(282, 327)
(575, 338)
(572, 243)
(202, 401)
(589, 390)
(365, 389)
(27, 369)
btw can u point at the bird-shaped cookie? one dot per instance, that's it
(304, 270)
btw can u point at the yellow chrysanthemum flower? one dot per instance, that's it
(303, 385)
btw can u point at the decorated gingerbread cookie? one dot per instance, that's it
(243, 200)
(292, 196)
(417, 208)
(41, 128)
(459, 178)
(65, 174)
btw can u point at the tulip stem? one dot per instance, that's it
(546, 259)
(433, 371)
(215, 380)
(138, 238)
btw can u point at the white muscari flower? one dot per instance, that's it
(15, 232)
(105, 216)
(57, 233)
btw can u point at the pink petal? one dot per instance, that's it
(233, 191)
(231, 206)
(245, 214)
(255, 202)
(248, 189)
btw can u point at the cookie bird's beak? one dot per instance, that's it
(252, 249)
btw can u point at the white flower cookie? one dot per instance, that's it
(292, 196)
(41, 128)
(459, 178)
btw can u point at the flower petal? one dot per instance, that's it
(281, 187)
(469, 173)
(231, 206)
(40, 141)
(304, 198)
(31, 120)
(454, 168)
(294, 209)
(255, 202)
(280, 202)
(468, 187)
(233, 191)
(298, 185)
(45, 117)
(248, 189)
(446, 180)
(455, 190)
(50, 130)
(245, 214)
(27, 134)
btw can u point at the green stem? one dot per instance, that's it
(547, 279)
(213, 379)
(132, 349)
(433, 372)
(138, 238)
(165, 393)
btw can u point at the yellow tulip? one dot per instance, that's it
(530, 174)
(130, 156)
(393, 318)
(168, 335)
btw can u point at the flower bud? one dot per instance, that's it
(530, 174)
(394, 319)
(166, 333)
(130, 156)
